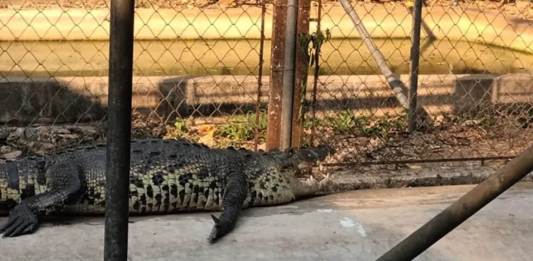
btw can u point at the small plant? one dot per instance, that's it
(243, 128)
(346, 122)
(310, 46)
(312, 122)
(181, 125)
(384, 127)
(180, 129)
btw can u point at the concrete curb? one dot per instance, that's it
(71, 99)
(243, 23)
(413, 175)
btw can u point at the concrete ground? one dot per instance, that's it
(357, 225)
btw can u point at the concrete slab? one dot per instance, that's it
(74, 99)
(358, 225)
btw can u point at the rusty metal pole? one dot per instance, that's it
(260, 75)
(415, 60)
(287, 95)
(276, 74)
(300, 82)
(462, 209)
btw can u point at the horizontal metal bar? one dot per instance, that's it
(462, 209)
(393, 162)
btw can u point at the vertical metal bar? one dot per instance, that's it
(301, 73)
(260, 75)
(429, 33)
(415, 59)
(288, 75)
(276, 74)
(462, 209)
(315, 75)
(119, 130)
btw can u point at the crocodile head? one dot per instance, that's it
(303, 160)
(297, 168)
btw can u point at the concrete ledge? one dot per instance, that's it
(244, 23)
(74, 99)
(414, 175)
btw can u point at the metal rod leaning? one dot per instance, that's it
(462, 209)
(398, 87)
(119, 130)
(415, 59)
(288, 74)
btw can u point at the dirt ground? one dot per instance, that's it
(452, 140)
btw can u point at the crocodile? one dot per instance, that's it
(166, 176)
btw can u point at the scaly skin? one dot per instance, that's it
(165, 177)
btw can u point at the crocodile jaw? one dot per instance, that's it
(304, 187)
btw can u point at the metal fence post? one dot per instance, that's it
(462, 209)
(287, 97)
(276, 74)
(415, 58)
(301, 73)
(119, 130)
(260, 75)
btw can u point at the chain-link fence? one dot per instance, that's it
(197, 66)
(201, 72)
(475, 81)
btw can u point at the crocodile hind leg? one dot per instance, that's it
(234, 195)
(63, 186)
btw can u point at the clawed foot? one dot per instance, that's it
(21, 221)
(220, 229)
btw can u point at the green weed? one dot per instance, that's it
(243, 128)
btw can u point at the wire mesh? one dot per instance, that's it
(196, 67)
(198, 74)
(475, 82)
(52, 90)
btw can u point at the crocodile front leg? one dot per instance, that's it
(63, 187)
(234, 196)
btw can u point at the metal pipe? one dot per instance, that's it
(398, 87)
(260, 76)
(415, 59)
(462, 209)
(288, 74)
(279, 16)
(119, 130)
(430, 35)
(301, 73)
(414, 161)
